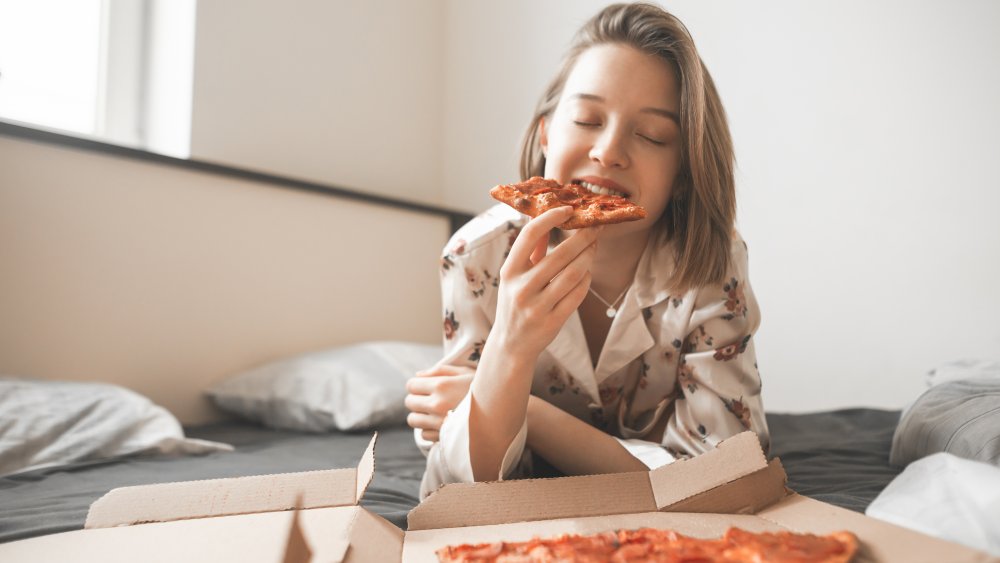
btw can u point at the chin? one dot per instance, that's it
(629, 228)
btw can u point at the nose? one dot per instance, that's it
(609, 148)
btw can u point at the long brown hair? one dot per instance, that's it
(701, 215)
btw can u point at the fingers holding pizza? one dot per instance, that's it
(558, 280)
(540, 288)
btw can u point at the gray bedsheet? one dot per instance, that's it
(839, 457)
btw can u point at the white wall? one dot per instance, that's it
(165, 280)
(866, 138)
(336, 91)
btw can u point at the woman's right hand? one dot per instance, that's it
(538, 289)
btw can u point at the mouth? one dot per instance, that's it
(600, 188)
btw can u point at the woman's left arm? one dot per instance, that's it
(572, 446)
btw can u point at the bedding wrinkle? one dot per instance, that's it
(49, 423)
(956, 415)
(840, 457)
(988, 445)
(973, 420)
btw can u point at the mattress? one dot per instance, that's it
(840, 457)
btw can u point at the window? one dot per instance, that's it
(50, 62)
(118, 70)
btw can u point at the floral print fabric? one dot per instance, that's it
(687, 357)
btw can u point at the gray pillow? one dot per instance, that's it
(45, 423)
(961, 417)
(347, 388)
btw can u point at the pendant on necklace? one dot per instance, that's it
(611, 312)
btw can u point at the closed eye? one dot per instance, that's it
(651, 140)
(586, 124)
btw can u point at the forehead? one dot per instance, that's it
(624, 75)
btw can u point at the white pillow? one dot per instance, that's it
(45, 423)
(945, 496)
(348, 388)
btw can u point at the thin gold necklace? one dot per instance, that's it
(612, 311)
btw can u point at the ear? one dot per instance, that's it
(543, 137)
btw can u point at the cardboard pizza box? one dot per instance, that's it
(241, 519)
(251, 518)
(732, 485)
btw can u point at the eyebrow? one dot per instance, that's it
(655, 111)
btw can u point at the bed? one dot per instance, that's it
(840, 457)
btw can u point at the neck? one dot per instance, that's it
(616, 261)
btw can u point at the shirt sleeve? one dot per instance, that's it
(653, 455)
(718, 381)
(469, 282)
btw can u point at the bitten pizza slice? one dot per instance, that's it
(537, 195)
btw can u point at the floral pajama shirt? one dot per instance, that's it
(687, 357)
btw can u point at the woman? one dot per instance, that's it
(609, 349)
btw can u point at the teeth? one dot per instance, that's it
(602, 191)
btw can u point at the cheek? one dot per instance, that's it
(561, 148)
(552, 163)
(661, 192)
(657, 203)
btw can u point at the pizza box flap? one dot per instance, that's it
(370, 538)
(476, 504)
(242, 538)
(347, 534)
(164, 502)
(747, 495)
(731, 459)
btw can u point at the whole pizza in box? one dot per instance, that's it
(666, 546)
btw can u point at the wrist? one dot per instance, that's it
(501, 350)
(502, 374)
